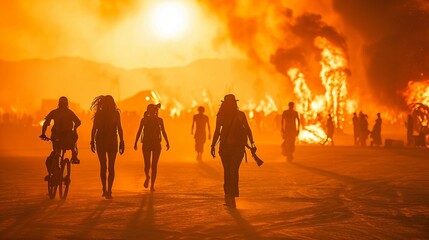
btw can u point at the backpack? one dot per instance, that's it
(236, 134)
(152, 131)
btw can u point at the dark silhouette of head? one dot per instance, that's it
(229, 105)
(104, 104)
(109, 104)
(378, 114)
(201, 109)
(63, 102)
(291, 105)
(354, 114)
(152, 109)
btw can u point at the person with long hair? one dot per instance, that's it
(151, 127)
(233, 130)
(104, 138)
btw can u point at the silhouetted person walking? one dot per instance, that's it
(376, 132)
(290, 130)
(104, 138)
(152, 127)
(200, 121)
(63, 132)
(330, 128)
(356, 128)
(410, 130)
(363, 129)
(233, 130)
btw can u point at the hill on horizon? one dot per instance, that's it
(26, 83)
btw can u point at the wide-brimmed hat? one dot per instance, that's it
(229, 98)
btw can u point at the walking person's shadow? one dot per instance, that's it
(91, 220)
(246, 228)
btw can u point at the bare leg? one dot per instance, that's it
(103, 167)
(155, 158)
(146, 157)
(112, 158)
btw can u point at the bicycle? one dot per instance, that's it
(59, 170)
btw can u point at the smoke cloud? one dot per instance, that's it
(396, 47)
(274, 34)
(395, 37)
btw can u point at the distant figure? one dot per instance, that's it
(376, 132)
(233, 129)
(63, 132)
(330, 128)
(152, 127)
(200, 121)
(356, 129)
(363, 129)
(410, 130)
(290, 130)
(104, 138)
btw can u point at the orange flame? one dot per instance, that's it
(302, 92)
(312, 134)
(333, 75)
(266, 106)
(334, 78)
(417, 92)
(176, 108)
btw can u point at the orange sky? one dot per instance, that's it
(119, 32)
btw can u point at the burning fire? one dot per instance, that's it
(312, 134)
(417, 97)
(302, 93)
(417, 92)
(334, 78)
(266, 106)
(176, 108)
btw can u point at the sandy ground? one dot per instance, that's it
(326, 193)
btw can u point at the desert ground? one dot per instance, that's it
(339, 192)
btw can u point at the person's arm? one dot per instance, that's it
(216, 135)
(93, 132)
(299, 124)
(193, 123)
(138, 134)
(208, 126)
(164, 133)
(76, 121)
(45, 125)
(121, 134)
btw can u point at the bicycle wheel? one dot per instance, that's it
(53, 178)
(65, 178)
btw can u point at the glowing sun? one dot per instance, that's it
(169, 19)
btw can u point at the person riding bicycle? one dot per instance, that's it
(63, 132)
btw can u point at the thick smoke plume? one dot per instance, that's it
(270, 33)
(395, 34)
(396, 48)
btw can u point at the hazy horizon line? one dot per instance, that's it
(117, 66)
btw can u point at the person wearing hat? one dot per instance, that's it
(151, 127)
(232, 131)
